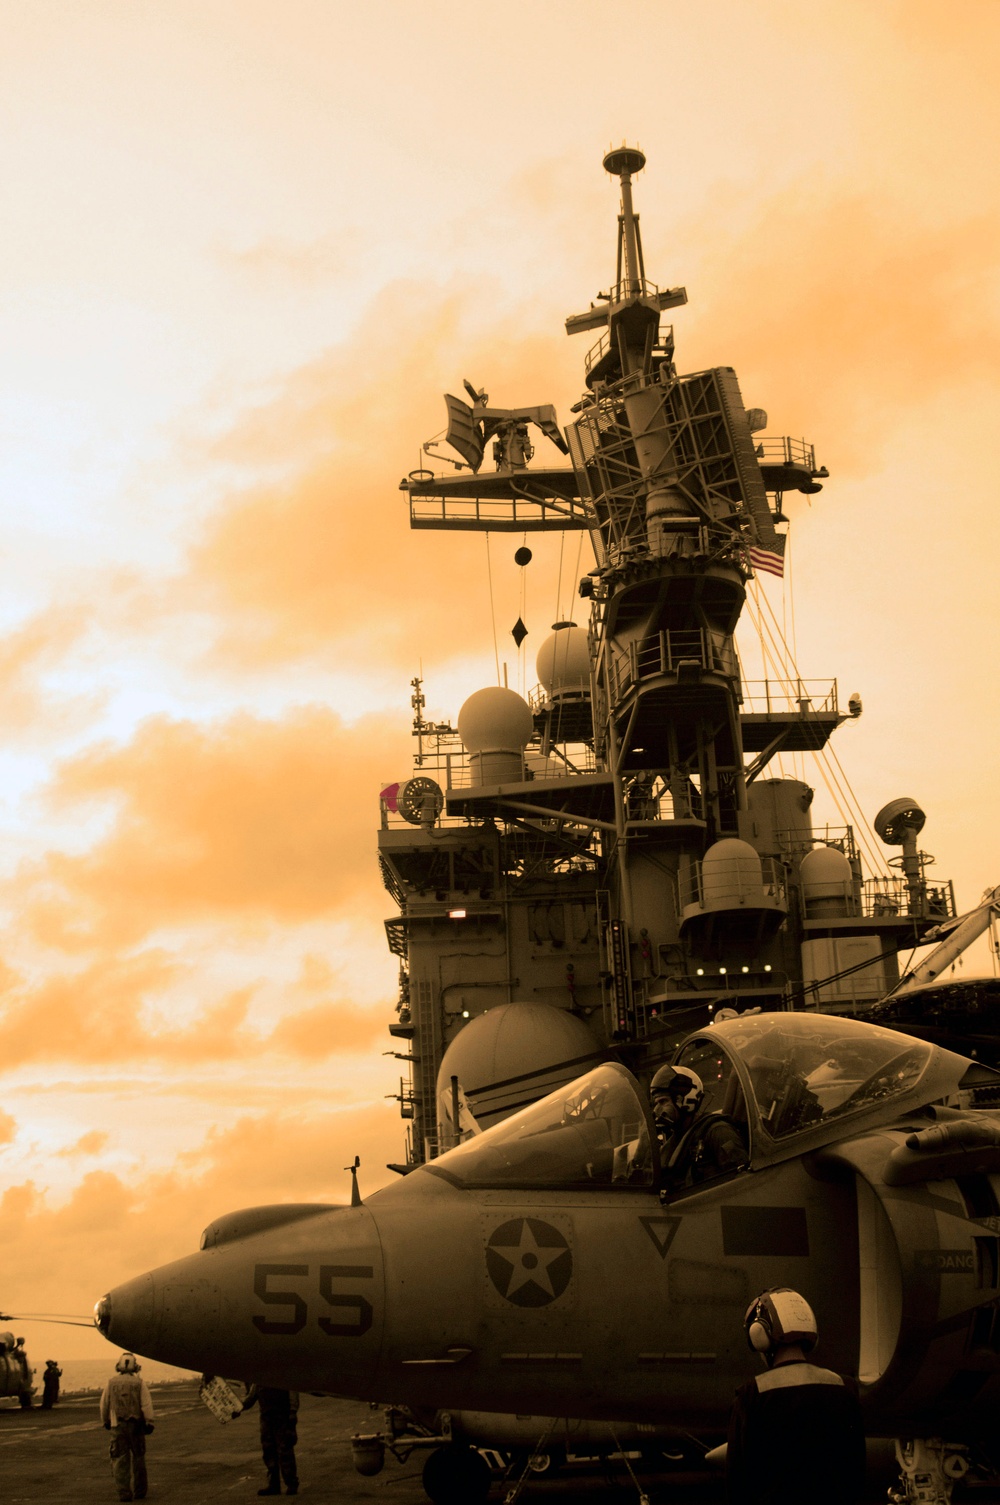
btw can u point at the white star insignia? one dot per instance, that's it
(530, 1262)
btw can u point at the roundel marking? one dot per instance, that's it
(529, 1261)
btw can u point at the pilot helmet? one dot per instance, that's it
(679, 1085)
(127, 1364)
(777, 1319)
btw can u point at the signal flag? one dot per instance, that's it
(766, 559)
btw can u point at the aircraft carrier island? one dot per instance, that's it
(602, 889)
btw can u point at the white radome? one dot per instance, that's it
(508, 1041)
(563, 662)
(495, 720)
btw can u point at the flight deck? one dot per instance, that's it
(62, 1455)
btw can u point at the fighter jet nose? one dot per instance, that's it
(102, 1315)
(127, 1315)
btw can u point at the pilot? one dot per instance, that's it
(795, 1432)
(279, 1411)
(693, 1147)
(127, 1411)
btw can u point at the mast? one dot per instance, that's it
(610, 854)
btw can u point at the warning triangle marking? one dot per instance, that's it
(661, 1231)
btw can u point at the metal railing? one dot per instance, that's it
(662, 804)
(788, 451)
(882, 898)
(795, 844)
(664, 652)
(502, 514)
(742, 886)
(781, 696)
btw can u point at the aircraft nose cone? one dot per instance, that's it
(127, 1315)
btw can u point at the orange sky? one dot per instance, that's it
(246, 248)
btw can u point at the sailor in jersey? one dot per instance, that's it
(795, 1432)
(127, 1412)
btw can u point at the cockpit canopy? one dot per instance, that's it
(594, 1132)
(789, 1082)
(804, 1069)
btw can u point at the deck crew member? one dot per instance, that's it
(795, 1432)
(693, 1146)
(127, 1412)
(20, 1356)
(50, 1384)
(279, 1410)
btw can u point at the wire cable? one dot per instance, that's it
(858, 819)
(493, 611)
(562, 545)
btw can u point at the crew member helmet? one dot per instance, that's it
(683, 1086)
(777, 1319)
(128, 1364)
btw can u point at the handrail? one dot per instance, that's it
(770, 696)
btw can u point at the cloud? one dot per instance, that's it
(110, 1011)
(29, 709)
(91, 1143)
(316, 551)
(842, 313)
(8, 1128)
(245, 819)
(299, 263)
(112, 1228)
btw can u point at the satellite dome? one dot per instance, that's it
(506, 1042)
(731, 872)
(563, 662)
(495, 720)
(825, 865)
(827, 882)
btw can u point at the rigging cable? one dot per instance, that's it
(858, 819)
(562, 545)
(493, 611)
(841, 799)
(522, 669)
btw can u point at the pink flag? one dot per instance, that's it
(388, 794)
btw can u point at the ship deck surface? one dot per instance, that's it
(62, 1455)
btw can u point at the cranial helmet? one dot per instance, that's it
(683, 1086)
(778, 1318)
(127, 1364)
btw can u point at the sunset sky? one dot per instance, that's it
(246, 247)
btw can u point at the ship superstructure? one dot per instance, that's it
(607, 864)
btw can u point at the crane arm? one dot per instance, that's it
(962, 934)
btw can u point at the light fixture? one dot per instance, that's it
(456, 914)
(722, 971)
(701, 971)
(744, 969)
(767, 966)
(465, 1013)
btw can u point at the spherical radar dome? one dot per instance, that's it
(494, 720)
(824, 865)
(730, 871)
(563, 661)
(509, 1041)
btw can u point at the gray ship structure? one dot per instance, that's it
(594, 871)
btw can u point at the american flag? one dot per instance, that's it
(771, 560)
